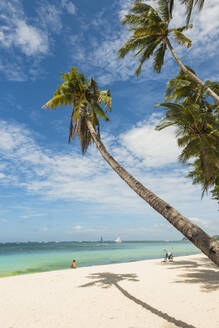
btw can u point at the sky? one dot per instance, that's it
(49, 192)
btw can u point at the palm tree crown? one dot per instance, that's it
(150, 33)
(197, 125)
(85, 99)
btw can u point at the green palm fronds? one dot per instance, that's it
(183, 88)
(85, 98)
(150, 31)
(181, 39)
(197, 124)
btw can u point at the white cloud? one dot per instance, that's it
(69, 6)
(67, 176)
(16, 32)
(30, 39)
(50, 16)
(32, 36)
(155, 148)
(76, 227)
(45, 229)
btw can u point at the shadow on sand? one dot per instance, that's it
(202, 271)
(108, 279)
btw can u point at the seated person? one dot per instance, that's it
(168, 256)
(73, 265)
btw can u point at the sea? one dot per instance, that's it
(30, 257)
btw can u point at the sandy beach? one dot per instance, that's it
(141, 294)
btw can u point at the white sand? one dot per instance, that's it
(129, 295)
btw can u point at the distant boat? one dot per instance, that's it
(118, 240)
(100, 240)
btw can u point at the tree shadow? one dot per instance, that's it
(180, 264)
(202, 272)
(108, 279)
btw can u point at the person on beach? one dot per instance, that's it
(73, 265)
(168, 256)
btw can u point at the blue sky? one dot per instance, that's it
(48, 191)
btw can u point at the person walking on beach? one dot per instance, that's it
(73, 265)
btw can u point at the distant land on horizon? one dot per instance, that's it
(90, 241)
(214, 236)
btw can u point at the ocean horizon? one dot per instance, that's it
(28, 257)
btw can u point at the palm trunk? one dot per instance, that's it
(196, 235)
(193, 76)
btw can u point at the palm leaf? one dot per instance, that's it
(56, 101)
(99, 112)
(159, 57)
(163, 9)
(147, 53)
(181, 39)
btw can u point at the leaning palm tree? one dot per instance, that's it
(150, 37)
(85, 98)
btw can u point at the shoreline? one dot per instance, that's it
(21, 273)
(138, 294)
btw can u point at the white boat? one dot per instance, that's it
(118, 240)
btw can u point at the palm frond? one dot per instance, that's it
(139, 7)
(147, 53)
(159, 57)
(131, 19)
(182, 28)
(104, 97)
(83, 134)
(99, 112)
(171, 5)
(189, 6)
(56, 101)
(135, 44)
(163, 124)
(164, 10)
(181, 39)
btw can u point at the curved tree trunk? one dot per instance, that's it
(196, 235)
(193, 76)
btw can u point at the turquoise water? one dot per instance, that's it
(21, 258)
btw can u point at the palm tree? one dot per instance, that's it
(85, 98)
(150, 37)
(198, 127)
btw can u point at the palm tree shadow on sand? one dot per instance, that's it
(202, 272)
(108, 279)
